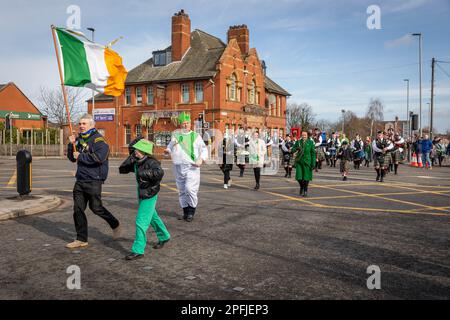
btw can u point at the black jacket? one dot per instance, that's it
(148, 174)
(92, 163)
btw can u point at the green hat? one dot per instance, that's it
(145, 146)
(184, 116)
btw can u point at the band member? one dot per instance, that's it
(188, 152)
(358, 151)
(286, 147)
(317, 137)
(91, 155)
(333, 145)
(149, 174)
(227, 152)
(380, 147)
(242, 141)
(367, 151)
(399, 144)
(305, 160)
(258, 150)
(345, 153)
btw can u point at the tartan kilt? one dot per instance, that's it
(388, 158)
(287, 159)
(396, 156)
(320, 154)
(379, 160)
(344, 166)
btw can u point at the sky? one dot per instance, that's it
(321, 51)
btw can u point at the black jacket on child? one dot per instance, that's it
(148, 174)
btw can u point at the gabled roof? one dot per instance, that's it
(272, 86)
(3, 86)
(199, 62)
(101, 97)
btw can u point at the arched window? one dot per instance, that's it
(251, 92)
(232, 93)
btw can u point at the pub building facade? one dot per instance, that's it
(223, 86)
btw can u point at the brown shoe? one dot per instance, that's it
(76, 244)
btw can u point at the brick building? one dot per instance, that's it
(24, 114)
(225, 84)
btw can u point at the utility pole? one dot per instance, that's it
(420, 81)
(433, 62)
(93, 92)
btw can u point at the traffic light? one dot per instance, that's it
(414, 122)
(8, 121)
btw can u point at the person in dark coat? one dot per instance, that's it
(149, 174)
(345, 154)
(91, 156)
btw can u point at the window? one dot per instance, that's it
(138, 130)
(127, 134)
(150, 133)
(251, 92)
(128, 96)
(168, 57)
(138, 95)
(198, 92)
(159, 59)
(149, 95)
(185, 93)
(162, 139)
(232, 94)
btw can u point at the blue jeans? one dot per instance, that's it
(426, 159)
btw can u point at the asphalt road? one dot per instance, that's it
(243, 244)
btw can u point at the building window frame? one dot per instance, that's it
(127, 96)
(138, 130)
(138, 92)
(199, 92)
(185, 93)
(150, 96)
(127, 133)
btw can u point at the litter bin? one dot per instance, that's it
(24, 172)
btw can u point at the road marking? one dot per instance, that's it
(170, 188)
(13, 179)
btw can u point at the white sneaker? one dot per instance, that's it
(225, 186)
(229, 183)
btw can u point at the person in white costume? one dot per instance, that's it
(188, 152)
(258, 150)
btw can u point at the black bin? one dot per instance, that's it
(24, 172)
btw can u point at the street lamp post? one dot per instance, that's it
(93, 93)
(420, 81)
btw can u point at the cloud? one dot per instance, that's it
(405, 40)
(395, 6)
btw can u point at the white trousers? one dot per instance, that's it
(187, 178)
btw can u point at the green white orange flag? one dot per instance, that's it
(89, 64)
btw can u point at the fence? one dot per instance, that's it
(44, 142)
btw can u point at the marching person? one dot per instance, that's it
(317, 137)
(346, 155)
(358, 152)
(380, 146)
(333, 146)
(227, 153)
(286, 148)
(149, 174)
(305, 160)
(399, 144)
(367, 152)
(258, 150)
(188, 152)
(242, 143)
(427, 145)
(91, 155)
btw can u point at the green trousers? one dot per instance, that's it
(146, 217)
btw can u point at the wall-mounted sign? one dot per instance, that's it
(20, 115)
(104, 114)
(104, 111)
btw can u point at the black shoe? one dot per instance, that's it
(344, 179)
(189, 218)
(257, 187)
(182, 217)
(305, 194)
(301, 191)
(133, 256)
(286, 175)
(160, 244)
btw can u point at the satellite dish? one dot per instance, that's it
(272, 99)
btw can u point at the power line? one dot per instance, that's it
(442, 69)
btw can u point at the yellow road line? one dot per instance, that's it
(170, 188)
(13, 179)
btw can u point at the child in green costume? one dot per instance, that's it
(149, 174)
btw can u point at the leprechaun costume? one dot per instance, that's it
(188, 151)
(149, 174)
(305, 160)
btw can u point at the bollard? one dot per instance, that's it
(24, 172)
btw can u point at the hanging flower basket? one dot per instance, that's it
(148, 121)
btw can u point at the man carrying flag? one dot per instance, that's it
(188, 151)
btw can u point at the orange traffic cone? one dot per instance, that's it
(413, 160)
(419, 161)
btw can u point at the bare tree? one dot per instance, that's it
(52, 103)
(299, 116)
(375, 112)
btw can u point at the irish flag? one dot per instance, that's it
(88, 64)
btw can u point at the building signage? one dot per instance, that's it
(20, 115)
(162, 114)
(104, 114)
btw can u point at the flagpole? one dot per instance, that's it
(62, 84)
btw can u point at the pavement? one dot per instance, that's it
(242, 244)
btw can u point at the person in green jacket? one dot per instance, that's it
(149, 174)
(305, 160)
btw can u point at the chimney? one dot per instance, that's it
(241, 34)
(181, 35)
